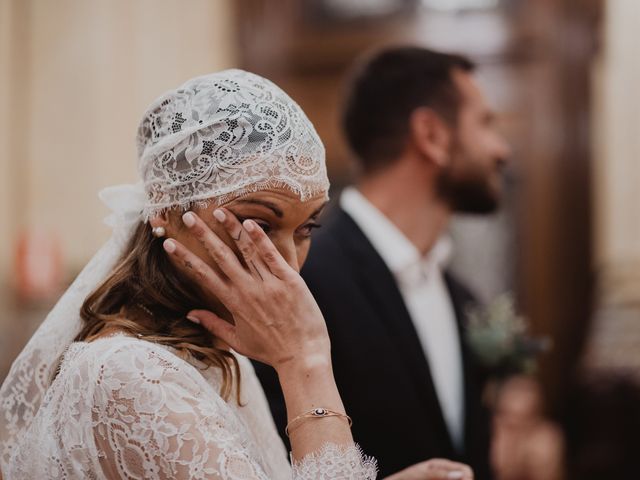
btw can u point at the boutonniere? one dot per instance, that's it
(499, 338)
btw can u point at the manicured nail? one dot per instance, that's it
(219, 215)
(169, 246)
(193, 319)
(457, 474)
(248, 225)
(189, 219)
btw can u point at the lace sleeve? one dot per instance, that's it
(335, 461)
(154, 418)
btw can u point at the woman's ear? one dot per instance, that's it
(430, 135)
(161, 220)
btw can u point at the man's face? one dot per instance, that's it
(472, 181)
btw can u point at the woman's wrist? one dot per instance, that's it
(308, 383)
(304, 367)
(309, 389)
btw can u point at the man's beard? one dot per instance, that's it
(468, 190)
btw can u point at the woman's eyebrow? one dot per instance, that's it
(319, 210)
(277, 212)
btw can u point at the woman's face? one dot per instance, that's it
(287, 221)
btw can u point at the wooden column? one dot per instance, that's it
(556, 209)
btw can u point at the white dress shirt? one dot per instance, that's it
(427, 298)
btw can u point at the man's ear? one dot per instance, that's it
(430, 135)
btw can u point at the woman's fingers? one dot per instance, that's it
(435, 469)
(196, 269)
(244, 243)
(257, 250)
(458, 474)
(268, 253)
(216, 325)
(219, 251)
(447, 474)
(441, 469)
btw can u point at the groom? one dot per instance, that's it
(427, 147)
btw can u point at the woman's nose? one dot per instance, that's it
(289, 252)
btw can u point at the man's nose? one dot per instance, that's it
(504, 150)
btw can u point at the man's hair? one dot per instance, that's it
(386, 89)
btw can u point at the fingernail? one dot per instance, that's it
(169, 246)
(193, 319)
(457, 474)
(189, 219)
(248, 225)
(219, 215)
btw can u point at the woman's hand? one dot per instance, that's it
(277, 321)
(435, 469)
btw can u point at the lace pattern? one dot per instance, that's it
(125, 408)
(335, 461)
(223, 135)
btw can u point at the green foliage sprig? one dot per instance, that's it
(500, 338)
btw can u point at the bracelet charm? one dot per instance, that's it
(319, 412)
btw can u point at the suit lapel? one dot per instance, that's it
(382, 290)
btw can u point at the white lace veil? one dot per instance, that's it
(215, 138)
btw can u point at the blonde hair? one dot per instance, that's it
(147, 297)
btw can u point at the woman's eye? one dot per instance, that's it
(308, 229)
(266, 228)
(261, 223)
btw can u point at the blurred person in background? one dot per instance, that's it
(427, 146)
(526, 445)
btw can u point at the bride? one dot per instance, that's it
(140, 370)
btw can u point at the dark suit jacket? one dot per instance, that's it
(380, 368)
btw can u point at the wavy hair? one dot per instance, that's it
(147, 297)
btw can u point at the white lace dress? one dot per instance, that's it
(121, 407)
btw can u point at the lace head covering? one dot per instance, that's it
(215, 138)
(223, 135)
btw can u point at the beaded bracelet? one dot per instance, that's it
(316, 413)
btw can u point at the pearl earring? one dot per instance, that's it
(158, 232)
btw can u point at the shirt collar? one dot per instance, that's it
(396, 250)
